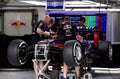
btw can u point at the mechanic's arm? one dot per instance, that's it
(41, 32)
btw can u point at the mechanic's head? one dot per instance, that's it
(67, 19)
(82, 21)
(51, 22)
(46, 19)
(61, 21)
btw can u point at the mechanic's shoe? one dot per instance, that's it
(40, 77)
(36, 77)
(78, 78)
(48, 72)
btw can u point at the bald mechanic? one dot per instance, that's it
(42, 31)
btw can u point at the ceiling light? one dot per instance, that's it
(35, 2)
(95, 9)
(69, 3)
(84, 4)
(76, 3)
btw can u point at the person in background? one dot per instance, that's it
(61, 21)
(52, 22)
(82, 22)
(67, 31)
(82, 26)
(59, 27)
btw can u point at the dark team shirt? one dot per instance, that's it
(37, 37)
(67, 31)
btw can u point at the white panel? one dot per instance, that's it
(12, 17)
(41, 13)
(113, 27)
(119, 26)
(115, 0)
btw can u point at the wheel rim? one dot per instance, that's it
(87, 76)
(22, 53)
(110, 52)
(78, 53)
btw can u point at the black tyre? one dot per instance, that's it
(105, 50)
(17, 52)
(72, 53)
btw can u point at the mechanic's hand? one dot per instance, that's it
(52, 33)
(55, 36)
(88, 35)
(47, 33)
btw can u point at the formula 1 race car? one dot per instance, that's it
(54, 51)
(73, 52)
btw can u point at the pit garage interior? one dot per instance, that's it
(18, 19)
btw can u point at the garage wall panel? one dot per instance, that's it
(113, 27)
(41, 13)
(119, 27)
(17, 23)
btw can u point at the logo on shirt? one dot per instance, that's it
(67, 27)
(68, 31)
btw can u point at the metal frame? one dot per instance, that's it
(41, 70)
(45, 55)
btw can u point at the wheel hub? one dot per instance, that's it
(78, 53)
(110, 52)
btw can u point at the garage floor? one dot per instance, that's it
(29, 74)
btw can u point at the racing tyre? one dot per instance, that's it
(72, 53)
(17, 52)
(105, 50)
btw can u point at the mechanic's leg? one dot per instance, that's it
(65, 69)
(46, 70)
(77, 69)
(35, 69)
(41, 64)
